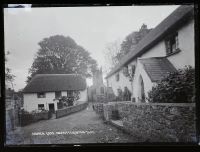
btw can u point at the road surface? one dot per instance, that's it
(82, 127)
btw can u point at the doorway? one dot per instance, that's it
(51, 107)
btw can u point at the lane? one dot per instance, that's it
(81, 127)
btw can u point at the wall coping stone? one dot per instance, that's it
(155, 104)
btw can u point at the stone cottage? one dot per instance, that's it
(43, 90)
(166, 48)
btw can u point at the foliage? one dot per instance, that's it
(177, 87)
(116, 50)
(112, 54)
(9, 77)
(61, 55)
(123, 95)
(68, 100)
(119, 95)
(60, 104)
(126, 94)
(133, 39)
(76, 95)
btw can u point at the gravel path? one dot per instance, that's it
(81, 127)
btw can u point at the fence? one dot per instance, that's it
(69, 110)
(28, 118)
(12, 119)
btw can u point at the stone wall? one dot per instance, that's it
(156, 122)
(28, 118)
(71, 109)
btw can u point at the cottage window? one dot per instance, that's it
(58, 94)
(171, 43)
(41, 95)
(131, 70)
(40, 106)
(117, 77)
(125, 71)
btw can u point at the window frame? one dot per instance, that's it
(170, 41)
(126, 71)
(41, 96)
(41, 108)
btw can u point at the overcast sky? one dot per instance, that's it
(90, 27)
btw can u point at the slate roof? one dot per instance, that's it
(174, 20)
(157, 67)
(55, 82)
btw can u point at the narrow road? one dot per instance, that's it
(81, 127)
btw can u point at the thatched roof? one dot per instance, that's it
(175, 20)
(55, 82)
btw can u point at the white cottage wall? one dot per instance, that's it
(186, 44)
(31, 101)
(158, 50)
(179, 60)
(83, 97)
(123, 82)
(148, 84)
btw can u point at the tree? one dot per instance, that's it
(133, 39)
(9, 77)
(61, 55)
(115, 50)
(112, 54)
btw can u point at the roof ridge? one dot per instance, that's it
(155, 35)
(55, 82)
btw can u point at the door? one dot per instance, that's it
(51, 107)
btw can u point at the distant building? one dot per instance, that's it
(166, 48)
(41, 92)
(98, 91)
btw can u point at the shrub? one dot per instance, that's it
(123, 95)
(178, 87)
(126, 94)
(60, 105)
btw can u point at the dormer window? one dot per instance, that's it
(171, 43)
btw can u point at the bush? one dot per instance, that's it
(60, 105)
(176, 87)
(123, 95)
